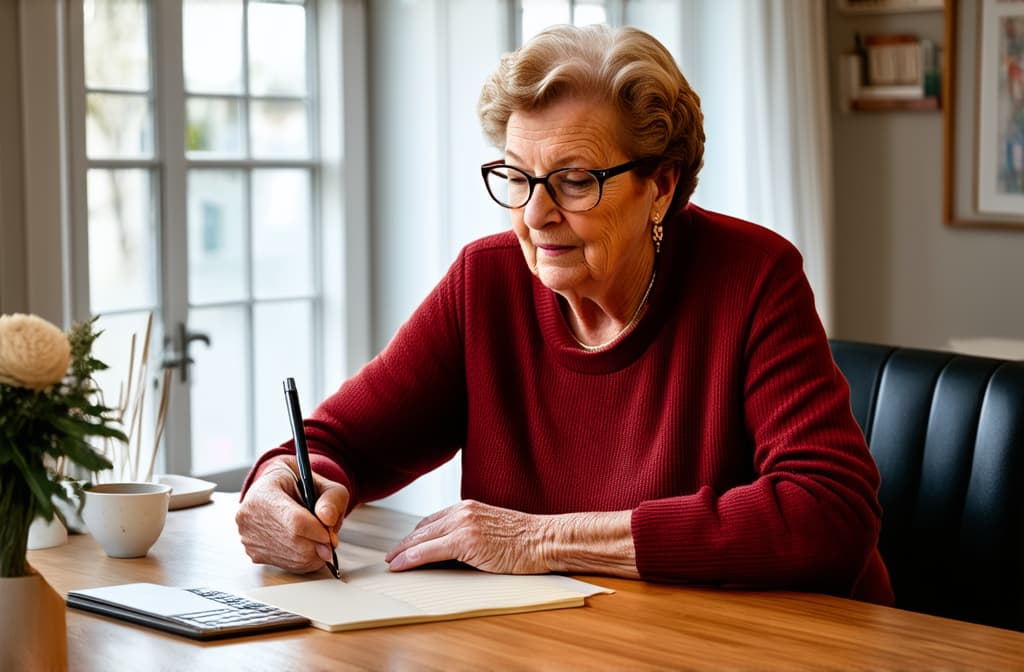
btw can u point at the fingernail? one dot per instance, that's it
(328, 512)
(323, 552)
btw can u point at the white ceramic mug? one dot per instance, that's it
(126, 518)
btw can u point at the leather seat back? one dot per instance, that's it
(947, 433)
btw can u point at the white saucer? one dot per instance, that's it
(185, 490)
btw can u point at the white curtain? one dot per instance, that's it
(761, 70)
(789, 176)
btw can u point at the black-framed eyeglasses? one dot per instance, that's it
(572, 189)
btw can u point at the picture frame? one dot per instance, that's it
(975, 96)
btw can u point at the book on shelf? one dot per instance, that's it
(893, 59)
(891, 91)
(889, 71)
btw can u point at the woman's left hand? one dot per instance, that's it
(504, 541)
(487, 537)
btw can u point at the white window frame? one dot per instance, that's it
(55, 208)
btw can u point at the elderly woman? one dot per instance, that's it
(650, 395)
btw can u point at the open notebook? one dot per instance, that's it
(373, 596)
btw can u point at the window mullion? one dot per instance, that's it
(77, 295)
(172, 207)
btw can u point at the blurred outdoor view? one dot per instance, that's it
(249, 280)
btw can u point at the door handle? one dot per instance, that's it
(178, 356)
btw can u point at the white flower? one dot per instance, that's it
(33, 352)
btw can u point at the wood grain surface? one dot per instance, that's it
(643, 626)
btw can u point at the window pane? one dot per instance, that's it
(586, 13)
(212, 46)
(122, 240)
(217, 249)
(118, 126)
(277, 49)
(219, 387)
(539, 14)
(279, 129)
(282, 240)
(116, 44)
(114, 348)
(283, 344)
(213, 128)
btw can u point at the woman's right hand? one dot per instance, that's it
(276, 529)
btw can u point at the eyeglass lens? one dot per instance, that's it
(572, 189)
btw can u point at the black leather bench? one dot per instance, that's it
(947, 432)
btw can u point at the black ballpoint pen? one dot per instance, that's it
(306, 486)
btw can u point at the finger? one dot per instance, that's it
(295, 541)
(331, 503)
(423, 532)
(269, 538)
(434, 517)
(436, 549)
(445, 521)
(275, 528)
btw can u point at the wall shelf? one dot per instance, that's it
(895, 104)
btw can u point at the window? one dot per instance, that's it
(535, 15)
(198, 165)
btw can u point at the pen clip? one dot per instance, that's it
(306, 486)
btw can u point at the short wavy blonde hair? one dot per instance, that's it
(660, 114)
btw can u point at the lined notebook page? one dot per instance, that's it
(373, 596)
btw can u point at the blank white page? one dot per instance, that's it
(374, 596)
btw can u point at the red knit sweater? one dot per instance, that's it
(720, 420)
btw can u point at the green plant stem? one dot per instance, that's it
(17, 510)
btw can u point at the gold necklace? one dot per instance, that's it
(629, 325)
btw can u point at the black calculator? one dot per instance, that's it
(199, 613)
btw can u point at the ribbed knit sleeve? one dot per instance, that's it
(809, 517)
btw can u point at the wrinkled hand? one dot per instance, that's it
(276, 529)
(487, 537)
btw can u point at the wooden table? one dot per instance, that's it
(642, 626)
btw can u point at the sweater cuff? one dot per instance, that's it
(658, 526)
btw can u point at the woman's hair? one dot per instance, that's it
(659, 113)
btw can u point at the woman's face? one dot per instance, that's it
(587, 253)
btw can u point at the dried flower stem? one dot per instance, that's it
(133, 462)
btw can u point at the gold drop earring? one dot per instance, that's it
(657, 233)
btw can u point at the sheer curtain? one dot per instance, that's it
(789, 175)
(761, 70)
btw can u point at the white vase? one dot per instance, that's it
(42, 534)
(33, 629)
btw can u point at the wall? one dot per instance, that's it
(12, 232)
(901, 275)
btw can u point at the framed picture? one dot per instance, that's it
(983, 113)
(1001, 108)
